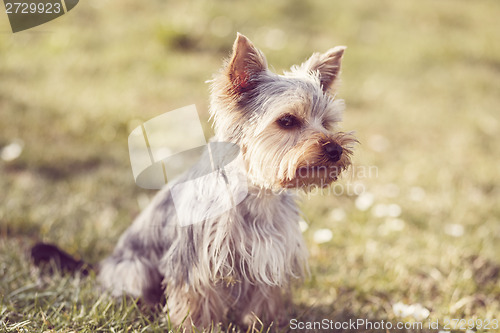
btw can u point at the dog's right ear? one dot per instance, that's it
(246, 61)
(327, 66)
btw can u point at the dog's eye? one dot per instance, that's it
(288, 121)
(326, 124)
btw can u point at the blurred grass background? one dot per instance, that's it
(421, 82)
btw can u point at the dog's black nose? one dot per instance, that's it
(333, 151)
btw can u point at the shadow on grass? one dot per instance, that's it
(63, 170)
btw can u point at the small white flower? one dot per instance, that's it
(399, 309)
(322, 236)
(364, 201)
(12, 151)
(454, 230)
(415, 311)
(393, 210)
(380, 210)
(338, 214)
(417, 193)
(303, 226)
(419, 312)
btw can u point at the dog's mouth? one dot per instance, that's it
(319, 162)
(315, 171)
(313, 175)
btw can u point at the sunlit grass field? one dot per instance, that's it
(421, 81)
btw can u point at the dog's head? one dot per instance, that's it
(286, 125)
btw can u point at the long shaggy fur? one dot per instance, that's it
(244, 259)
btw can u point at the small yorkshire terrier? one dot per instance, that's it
(242, 261)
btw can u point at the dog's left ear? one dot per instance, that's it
(246, 62)
(327, 65)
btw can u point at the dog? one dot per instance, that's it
(241, 261)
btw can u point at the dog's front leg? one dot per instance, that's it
(203, 308)
(262, 304)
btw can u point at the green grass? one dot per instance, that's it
(421, 82)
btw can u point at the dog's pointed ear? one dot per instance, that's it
(246, 61)
(327, 65)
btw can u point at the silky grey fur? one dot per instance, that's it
(256, 245)
(243, 259)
